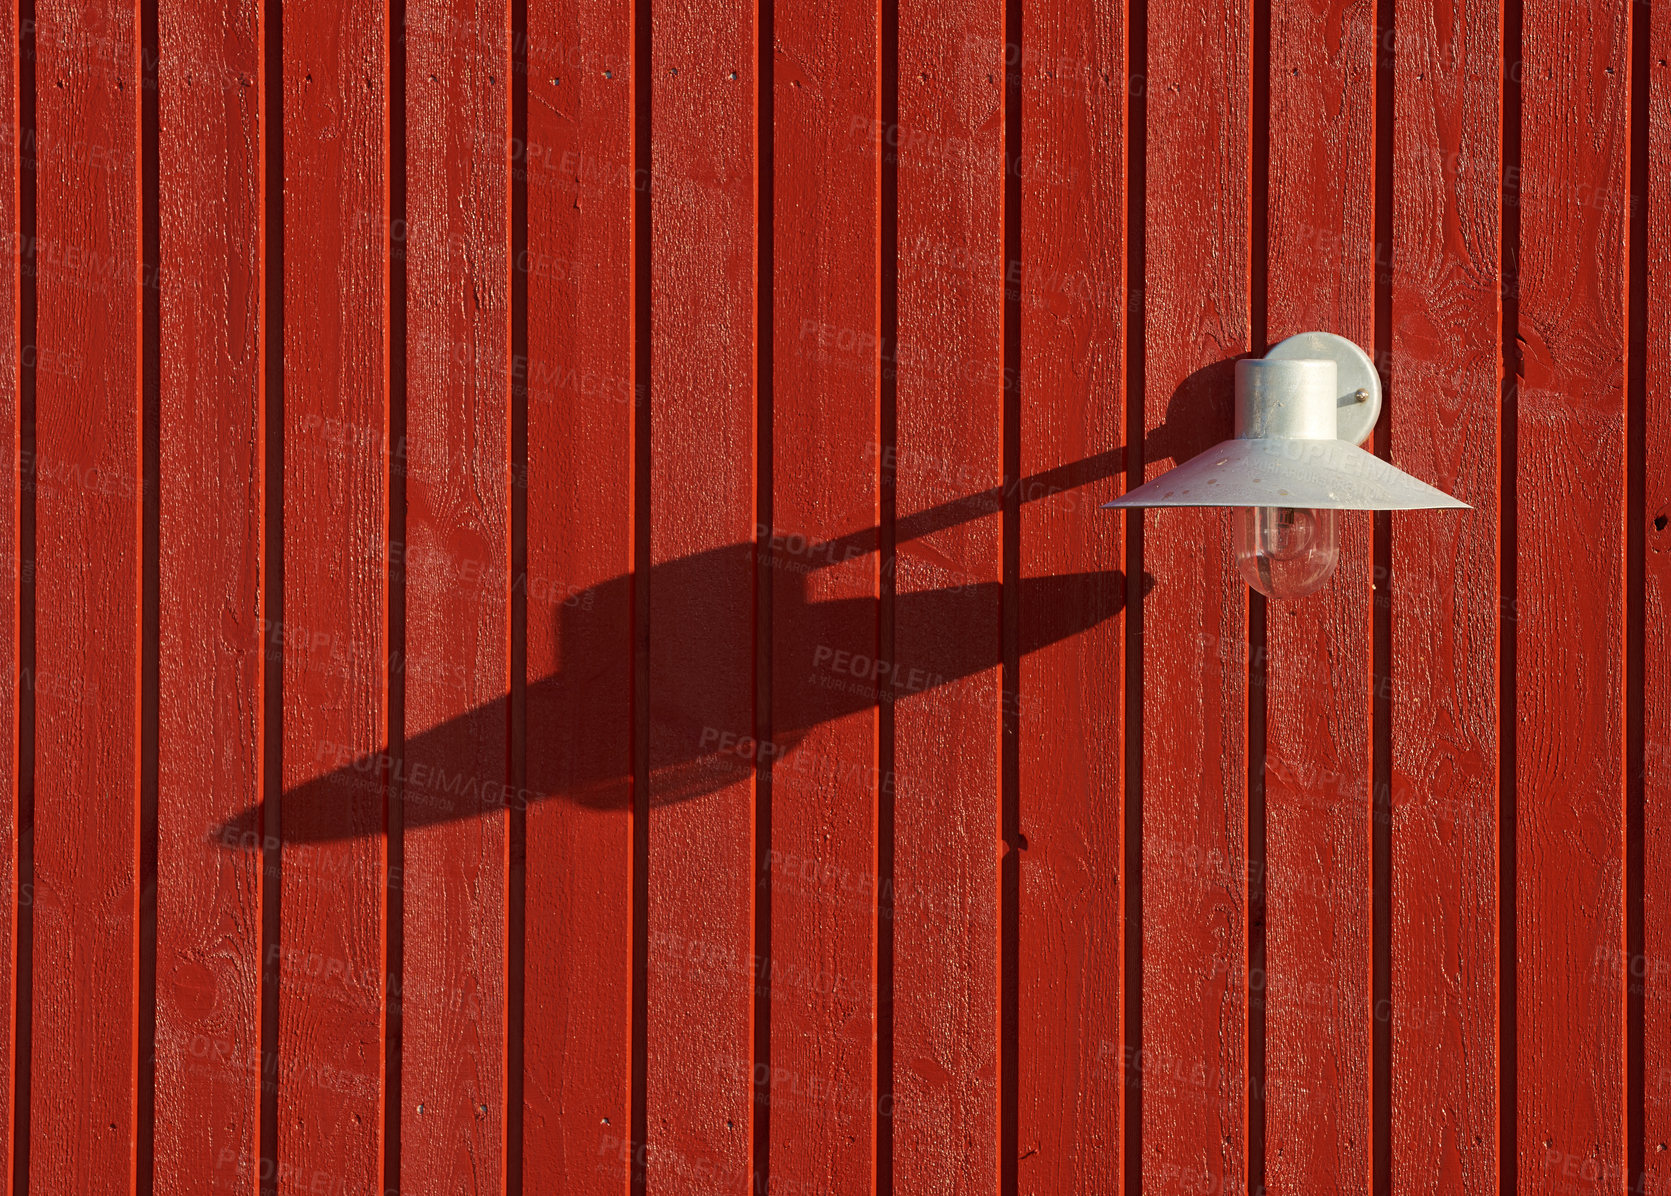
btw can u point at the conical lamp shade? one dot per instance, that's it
(1315, 474)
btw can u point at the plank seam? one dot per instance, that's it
(17, 728)
(394, 914)
(765, 37)
(150, 566)
(272, 597)
(1381, 1010)
(516, 929)
(1136, 127)
(1635, 520)
(642, 349)
(1009, 739)
(1258, 331)
(1508, 547)
(27, 334)
(888, 509)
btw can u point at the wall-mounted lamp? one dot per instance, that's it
(1301, 412)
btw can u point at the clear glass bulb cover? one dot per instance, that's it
(1285, 552)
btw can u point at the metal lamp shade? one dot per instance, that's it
(1284, 472)
(1287, 452)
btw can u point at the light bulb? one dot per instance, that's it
(1286, 552)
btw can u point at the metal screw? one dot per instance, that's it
(1361, 396)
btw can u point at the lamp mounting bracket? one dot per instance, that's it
(1359, 404)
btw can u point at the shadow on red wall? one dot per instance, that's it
(702, 739)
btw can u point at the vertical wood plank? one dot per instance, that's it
(1318, 868)
(1444, 397)
(212, 625)
(1569, 630)
(331, 950)
(827, 359)
(12, 479)
(702, 967)
(582, 400)
(1655, 973)
(456, 559)
(88, 497)
(1070, 706)
(1194, 1060)
(945, 676)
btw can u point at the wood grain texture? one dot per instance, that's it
(703, 968)
(333, 903)
(1193, 1065)
(702, 1086)
(1070, 1064)
(1444, 396)
(456, 663)
(1655, 968)
(945, 679)
(12, 362)
(1318, 867)
(87, 475)
(212, 629)
(826, 470)
(582, 399)
(1569, 629)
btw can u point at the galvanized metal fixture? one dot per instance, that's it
(1301, 412)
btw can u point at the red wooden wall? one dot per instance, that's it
(560, 637)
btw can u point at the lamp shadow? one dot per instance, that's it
(1200, 414)
(579, 720)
